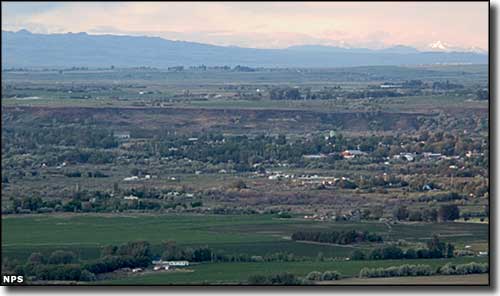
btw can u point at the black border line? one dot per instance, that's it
(63, 288)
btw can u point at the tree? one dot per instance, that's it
(377, 212)
(482, 95)
(415, 215)
(330, 275)
(314, 276)
(87, 276)
(429, 215)
(36, 258)
(392, 252)
(357, 255)
(400, 213)
(410, 254)
(376, 254)
(62, 257)
(239, 184)
(448, 213)
(437, 248)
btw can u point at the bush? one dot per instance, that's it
(284, 278)
(258, 280)
(87, 276)
(392, 252)
(448, 212)
(463, 269)
(396, 271)
(75, 174)
(357, 255)
(314, 276)
(410, 254)
(330, 275)
(62, 257)
(36, 258)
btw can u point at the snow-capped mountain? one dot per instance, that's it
(25, 49)
(443, 46)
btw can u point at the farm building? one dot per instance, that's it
(405, 156)
(133, 178)
(167, 265)
(348, 154)
(122, 135)
(314, 156)
(432, 155)
(131, 197)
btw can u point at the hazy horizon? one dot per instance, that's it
(433, 25)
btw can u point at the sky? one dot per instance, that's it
(265, 24)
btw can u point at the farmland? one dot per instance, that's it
(105, 170)
(254, 235)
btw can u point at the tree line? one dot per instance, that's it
(435, 249)
(337, 237)
(424, 270)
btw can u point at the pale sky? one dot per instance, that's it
(264, 24)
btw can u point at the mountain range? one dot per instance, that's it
(26, 49)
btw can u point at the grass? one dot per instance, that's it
(234, 273)
(229, 234)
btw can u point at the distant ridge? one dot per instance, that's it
(25, 49)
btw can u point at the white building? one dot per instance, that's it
(166, 265)
(122, 135)
(133, 178)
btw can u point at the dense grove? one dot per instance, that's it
(435, 249)
(336, 237)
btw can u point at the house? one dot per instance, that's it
(405, 156)
(314, 156)
(133, 178)
(130, 197)
(178, 263)
(389, 85)
(348, 154)
(427, 187)
(122, 135)
(432, 155)
(159, 267)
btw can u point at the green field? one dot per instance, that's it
(243, 234)
(234, 273)
(254, 234)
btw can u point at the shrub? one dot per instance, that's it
(330, 275)
(87, 276)
(258, 280)
(396, 271)
(462, 269)
(36, 258)
(410, 254)
(62, 257)
(392, 252)
(314, 276)
(357, 255)
(283, 278)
